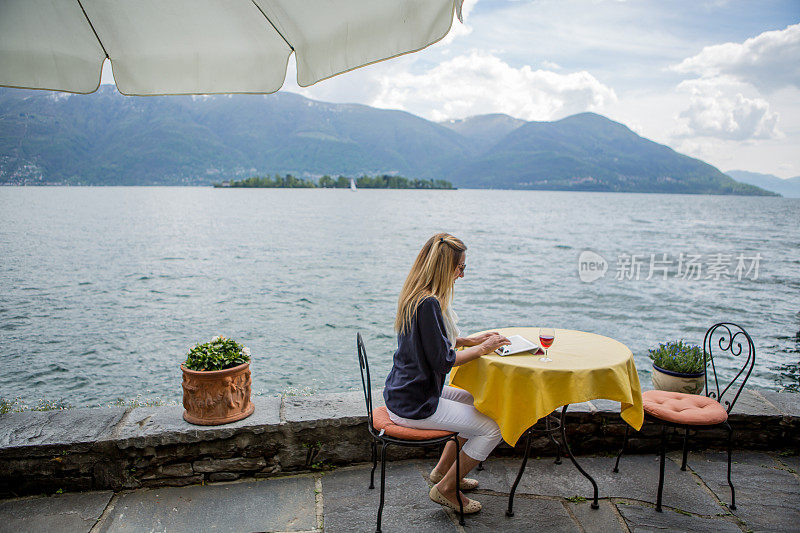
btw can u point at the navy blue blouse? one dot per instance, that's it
(423, 358)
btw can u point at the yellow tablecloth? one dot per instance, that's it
(517, 390)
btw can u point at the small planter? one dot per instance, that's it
(677, 381)
(217, 397)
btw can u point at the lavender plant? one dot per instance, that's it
(678, 356)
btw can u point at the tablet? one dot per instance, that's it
(518, 344)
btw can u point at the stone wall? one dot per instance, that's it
(82, 449)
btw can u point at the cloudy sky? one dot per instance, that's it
(717, 79)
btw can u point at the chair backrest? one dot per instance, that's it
(728, 337)
(363, 365)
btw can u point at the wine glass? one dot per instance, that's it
(546, 338)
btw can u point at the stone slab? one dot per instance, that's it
(496, 475)
(333, 406)
(279, 504)
(158, 426)
(57, 428)
(583, 407)
(637, 479)
(234, 464)
(641, 518)
(76, 512)
(602, 520)
(223, 476)
(767, 497)
(751, 403)
(349, 505)
(606, 406)
(787, 403)
(173, 470)
(530, 514)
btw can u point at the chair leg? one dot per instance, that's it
(374, 464)
(510, 510)
(661, 469)
(621, 450)
(730, 442)
(383, 483)
(458, 483)
(685, 448)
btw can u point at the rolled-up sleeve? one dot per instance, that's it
(438, 352)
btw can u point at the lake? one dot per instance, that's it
(104, 290)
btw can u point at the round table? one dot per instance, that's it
(517, 390)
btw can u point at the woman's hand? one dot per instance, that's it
(476, 340)
(492, 342)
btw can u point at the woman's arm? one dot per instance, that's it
(465, 341)
(474, 341)
(492, 342)
(437, 349)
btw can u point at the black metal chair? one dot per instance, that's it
(731, 338)
(381, 430)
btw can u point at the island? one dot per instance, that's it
(383, 181)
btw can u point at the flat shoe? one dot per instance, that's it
(469, 508)
(466, 483)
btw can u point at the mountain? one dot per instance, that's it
(786, 187)
(485, 130)
(590, 152)
(109, 139)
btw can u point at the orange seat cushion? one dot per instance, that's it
(381, 421)
(682, 408)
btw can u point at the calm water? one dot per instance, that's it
(103, 290)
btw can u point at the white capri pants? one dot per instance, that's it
(456, 412)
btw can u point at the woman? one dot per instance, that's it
(427, 336)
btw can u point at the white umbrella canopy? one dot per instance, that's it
(206, 46)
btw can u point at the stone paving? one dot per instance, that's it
(550, 498)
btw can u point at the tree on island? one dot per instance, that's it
(287, 181)
(384, 181)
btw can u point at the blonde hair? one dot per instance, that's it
(431, 275)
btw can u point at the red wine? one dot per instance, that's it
(546, 340)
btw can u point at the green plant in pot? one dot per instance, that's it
(217, 383)
(678, 367)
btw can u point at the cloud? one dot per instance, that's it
(479, 82)
(714, 111)
(726, 102)
(769, 61)
(107, 74)
(459, 29)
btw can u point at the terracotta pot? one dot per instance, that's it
(217, 396)
(677, 381)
